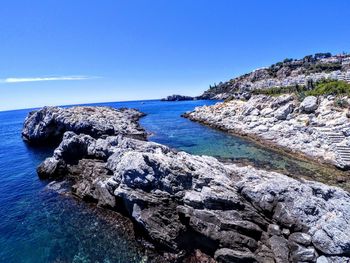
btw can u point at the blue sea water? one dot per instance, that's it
(39, 225)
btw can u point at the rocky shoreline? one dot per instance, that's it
(186, 203)
(316, 128)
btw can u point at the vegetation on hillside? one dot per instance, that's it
(324, 87)
(330, 87)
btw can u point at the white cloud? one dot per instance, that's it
(36, 79)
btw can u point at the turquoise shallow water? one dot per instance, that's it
(37, 225)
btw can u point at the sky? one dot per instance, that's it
(59, 52)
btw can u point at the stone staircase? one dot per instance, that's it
(337, 140)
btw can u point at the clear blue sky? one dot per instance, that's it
(97, 51)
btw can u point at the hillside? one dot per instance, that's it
(290, 72)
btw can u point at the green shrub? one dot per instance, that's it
(330, 87)
(324, 87)
(276, 91)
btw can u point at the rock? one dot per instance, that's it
(282, 100)
(261, 128)
(149, 178)
(331, 245)
(322, 259)
(226, 255)
(266, 112)
(250, 110)
(309, 104)
(282, 112)
(48, 168)
(162, 189)
(285, 232)
(301, 254)
(300, 238)
(283, 216)
(177, 98)
(50, 123)
(274, 230)
(336, 259)
(246, 95)
(279, 247)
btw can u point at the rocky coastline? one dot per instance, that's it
(186, 203)
(316, 128)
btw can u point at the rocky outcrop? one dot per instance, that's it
(177, 98)
(315, 128)
(50, 123)
(184, 202)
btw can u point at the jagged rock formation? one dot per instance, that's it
(290, 72)
(181, 201)
(286, 123)
(184, 202)
(177, 98)
(49, 123)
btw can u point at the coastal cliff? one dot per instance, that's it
(184, 202)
